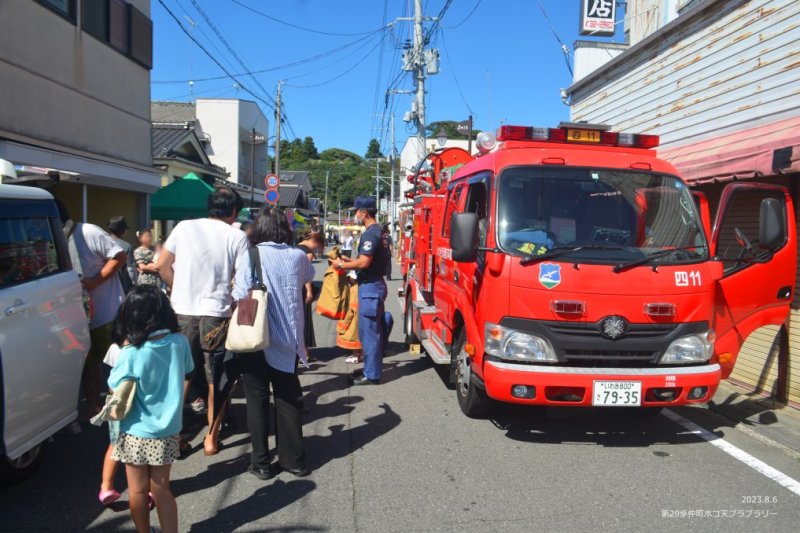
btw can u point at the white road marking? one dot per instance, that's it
(737, 453)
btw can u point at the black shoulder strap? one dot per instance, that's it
(255, 268)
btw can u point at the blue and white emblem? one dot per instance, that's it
(549, 275)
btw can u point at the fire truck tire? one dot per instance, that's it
(472, 400)
(408, 324)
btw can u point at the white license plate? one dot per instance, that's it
(617, 393)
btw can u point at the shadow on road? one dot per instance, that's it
(342, 442)
(263, 502)
(605, 427)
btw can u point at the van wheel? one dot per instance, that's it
(471, 399)
(16, 470)
(408, 323)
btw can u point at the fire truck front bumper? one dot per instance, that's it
(600, 387)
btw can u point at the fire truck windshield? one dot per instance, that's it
(598, 216)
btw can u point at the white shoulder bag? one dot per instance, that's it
(248, 330)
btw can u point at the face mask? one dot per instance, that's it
(359, 221)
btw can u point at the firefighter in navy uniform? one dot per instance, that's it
(370, 262)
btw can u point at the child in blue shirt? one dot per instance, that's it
(159, 359)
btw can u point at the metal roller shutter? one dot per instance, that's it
(794, 357)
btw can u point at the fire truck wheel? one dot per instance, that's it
(472, 400)
(408, 324)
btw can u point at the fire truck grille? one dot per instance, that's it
(590, 330)
(610, 359)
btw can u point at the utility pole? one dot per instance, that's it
(419, 73)
(391, 202)
(252, 168)
(325, 204)
(278, 130)
(378, 184)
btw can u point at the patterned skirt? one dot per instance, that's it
(134, 450)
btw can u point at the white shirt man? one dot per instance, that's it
(198, 262)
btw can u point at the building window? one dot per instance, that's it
(141, 38)
(121, 26)
(65, 8)
(94, 18)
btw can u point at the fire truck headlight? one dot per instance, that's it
(513, 345)
(690, 349)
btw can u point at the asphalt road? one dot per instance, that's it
(401, 457)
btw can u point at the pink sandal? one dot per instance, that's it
(107, 497)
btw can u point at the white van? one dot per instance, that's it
(44, 329)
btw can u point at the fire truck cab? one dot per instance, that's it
(570, 266)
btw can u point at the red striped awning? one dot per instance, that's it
(761, 151)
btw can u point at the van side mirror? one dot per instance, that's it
(464, 237)
(771, 225)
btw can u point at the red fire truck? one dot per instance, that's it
(570, 266)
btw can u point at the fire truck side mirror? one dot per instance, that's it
(464, 237)
(771, 225)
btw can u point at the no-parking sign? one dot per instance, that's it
(272, 196)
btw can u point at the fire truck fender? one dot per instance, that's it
(469, 322)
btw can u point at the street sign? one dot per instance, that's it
(272, 181)
(598, 17)
(272, 196)
(463, 127)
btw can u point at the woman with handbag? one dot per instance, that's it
(282, 270)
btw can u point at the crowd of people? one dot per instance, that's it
(159, 319)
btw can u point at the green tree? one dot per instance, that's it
(374, 150)
(309, 149)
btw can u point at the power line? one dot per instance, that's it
(199, 28)
(453, 72)
(230, 48)
(270, 17)
(474, 8)
(347, 71)
(336, 62)
(379, 72)
(211, 56)
(275, 68)
(564, 47)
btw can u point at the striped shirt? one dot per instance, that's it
(285, 270)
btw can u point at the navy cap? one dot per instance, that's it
(365, 202)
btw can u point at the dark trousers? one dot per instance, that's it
(257, 377)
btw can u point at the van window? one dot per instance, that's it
(27, 250)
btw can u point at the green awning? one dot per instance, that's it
(183, 199)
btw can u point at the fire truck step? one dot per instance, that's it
(437, 352)
(424, 309)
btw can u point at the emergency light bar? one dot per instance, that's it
(577, 133)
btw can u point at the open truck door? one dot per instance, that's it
(754, 239)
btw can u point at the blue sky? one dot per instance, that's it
(505, 58)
